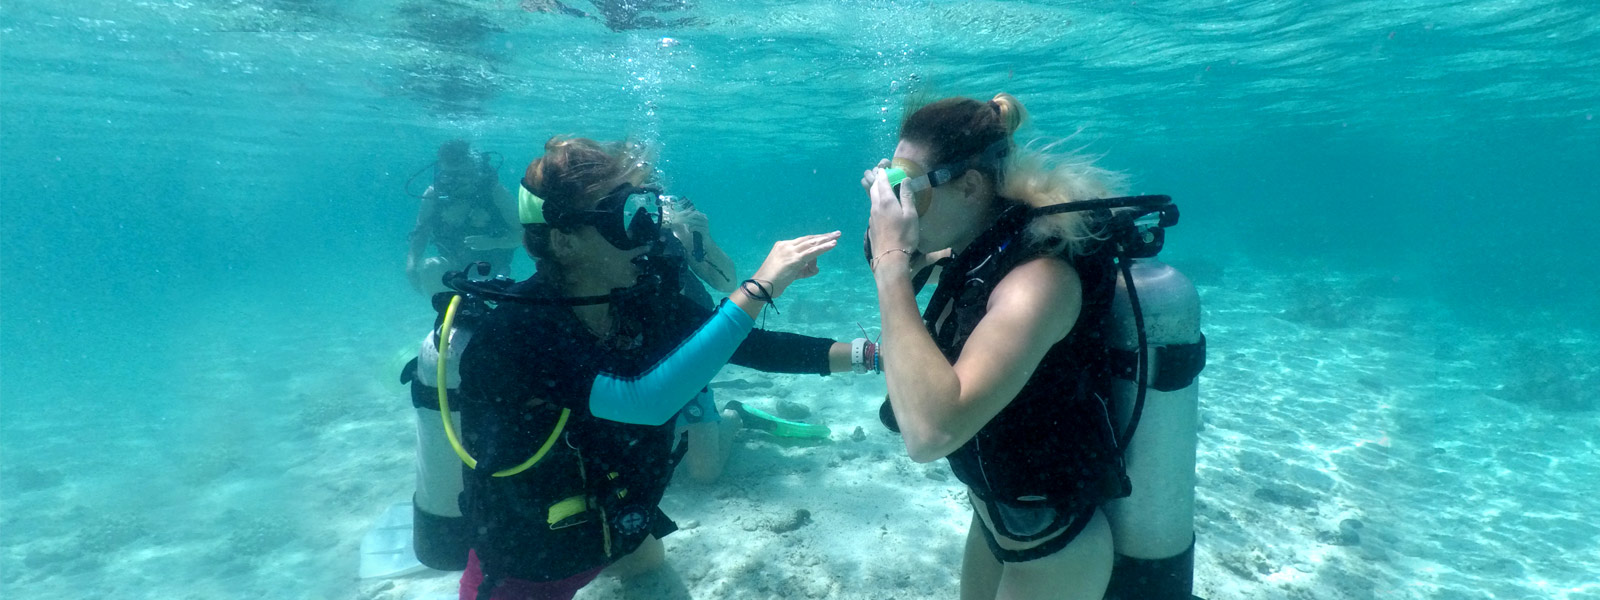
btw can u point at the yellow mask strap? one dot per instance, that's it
(530, 208)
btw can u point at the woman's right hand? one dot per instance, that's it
(893, 224)
(793, 259)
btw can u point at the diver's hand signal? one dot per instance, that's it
(794, 259)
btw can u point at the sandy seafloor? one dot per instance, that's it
(1355, 443)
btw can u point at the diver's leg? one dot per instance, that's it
(727, 428)
(980, 571)
(710, 444)
(648, 557)
(1080, 571)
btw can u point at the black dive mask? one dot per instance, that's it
(629, 217)
(448, 185)
(461, 177)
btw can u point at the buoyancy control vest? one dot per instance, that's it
(1054, 444)
(1134, 355)
(591, 495)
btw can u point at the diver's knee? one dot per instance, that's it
(649, 556)
(706, 470)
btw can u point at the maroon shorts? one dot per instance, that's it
(522, 589)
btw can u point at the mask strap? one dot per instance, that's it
(530, 207)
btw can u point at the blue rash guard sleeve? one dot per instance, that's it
(653, 397)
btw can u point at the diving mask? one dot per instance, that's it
(447, 183)
(628, 217)
(905, 173)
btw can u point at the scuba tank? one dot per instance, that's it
(440, 532)
(1159, 352)
(547, 513)
(1154, 526)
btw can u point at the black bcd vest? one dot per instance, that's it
(1055, 443)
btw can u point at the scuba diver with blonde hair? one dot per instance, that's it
(1030, 368)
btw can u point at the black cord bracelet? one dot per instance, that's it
(762, 294)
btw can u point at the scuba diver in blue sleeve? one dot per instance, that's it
(572, 383)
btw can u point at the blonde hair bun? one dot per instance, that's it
(1011, 111)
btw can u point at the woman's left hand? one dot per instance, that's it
(893, 224)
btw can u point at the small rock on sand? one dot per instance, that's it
(800, 518)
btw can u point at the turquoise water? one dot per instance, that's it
(1389, 208)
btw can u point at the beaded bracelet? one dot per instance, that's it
(864, 356)
(873, 264)
(762, 293)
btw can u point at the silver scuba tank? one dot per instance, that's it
(1153, 527)
(440, 531)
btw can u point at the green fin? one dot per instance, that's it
(755, 418)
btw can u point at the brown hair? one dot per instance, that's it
(955, 129)
(456, 150)
(958, 128)
(573, 175)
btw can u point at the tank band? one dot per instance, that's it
(440, 542)
(1169, 578)
(1177, 365)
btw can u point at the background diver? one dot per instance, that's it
(467, 215)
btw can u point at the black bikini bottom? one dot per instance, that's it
(1030, 523)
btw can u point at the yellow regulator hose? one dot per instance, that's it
(444, 403)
